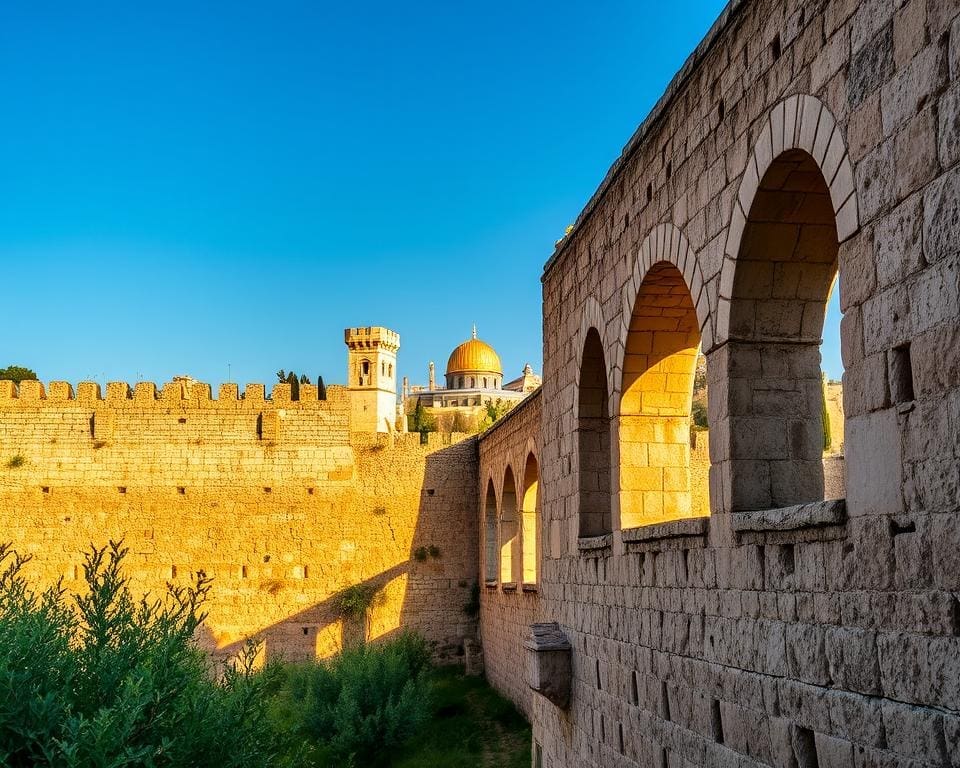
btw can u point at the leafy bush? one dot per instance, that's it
(354, 601)
(359, 706)
(105, 680)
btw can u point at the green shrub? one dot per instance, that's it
(15, 462)
(359, 706)
(105, 680)
(353, 601)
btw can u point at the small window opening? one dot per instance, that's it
(599, 686)
(669, 169)
(181, 490)
(716, 721)
(788, 557)
(267, 489)
(45, 489)
(306, 631)
(901, 375)
(309, 491)
(266, 558)
(664, 701)
(306, 571)
(805, 748)
(775, 47)
(721, 110)
(122, 489)
(634, 689)
(620, 737)
(649, 193)
(173, 571)
(181, 420)
(243, 571)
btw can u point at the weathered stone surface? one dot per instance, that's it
(941, 217)
(871, 66)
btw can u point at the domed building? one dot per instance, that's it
(474, 378)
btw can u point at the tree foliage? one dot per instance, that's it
(493, 410)
(421, 421)
(359, 706)
(17, 373)
(103, 679)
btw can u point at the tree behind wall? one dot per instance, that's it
(17, 373)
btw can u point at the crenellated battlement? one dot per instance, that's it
(146, 394)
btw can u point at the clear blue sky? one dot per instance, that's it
(190, 185)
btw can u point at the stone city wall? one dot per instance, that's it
(280, 502)
(507, 609)
(800, 139)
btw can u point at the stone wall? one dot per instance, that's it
(801, 139)
(278, 501)
(508, 608)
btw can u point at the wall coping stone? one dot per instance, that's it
(813, 515)
(595, 544)
(672, 529)
(679, 80)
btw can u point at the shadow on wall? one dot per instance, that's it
(430, 592)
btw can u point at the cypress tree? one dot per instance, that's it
(294, 383)
(321, 389)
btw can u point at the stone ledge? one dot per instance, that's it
(595, 545)
(672, 529)
(491, 583)
(530, 587)
(798, 517)
(509, 586)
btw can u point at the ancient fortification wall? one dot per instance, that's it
(801, 139)
(509, 462)
(280, 502)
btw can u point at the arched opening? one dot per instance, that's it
(508, 528)
(655, 434)
(785, 268)
(531, 481)
(593, 439)
(490, 534)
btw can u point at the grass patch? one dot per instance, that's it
(16, 462)
(470, 726)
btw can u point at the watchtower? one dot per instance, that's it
(372, 377)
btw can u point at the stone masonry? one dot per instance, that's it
(801, 140)
(281, 502)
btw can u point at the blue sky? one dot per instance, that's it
(187, 187)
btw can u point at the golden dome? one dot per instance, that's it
(474, 356)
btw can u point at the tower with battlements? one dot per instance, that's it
(372, 377)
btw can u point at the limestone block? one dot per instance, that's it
(915, 732)
(909, 31)
(857, 718)
(949, 125)
(832, 752)
(852, 659)
(955, 49)
(549, 669)
(870, 66)
(915, 153)
(875, 183)
(898, 242)
(874, 464)
(912, 85)
(941, 214)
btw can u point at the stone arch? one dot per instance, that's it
(802, 123)
(491, 560)
(530, 512)
(509, 528)
(665, 313)
(664, 243)
(795, 205)
(593, 438)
